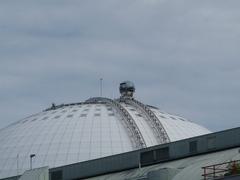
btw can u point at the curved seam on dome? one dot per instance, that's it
(120, 136)
(80, 137)
(71, 141)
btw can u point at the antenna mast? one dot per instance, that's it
(101, 84)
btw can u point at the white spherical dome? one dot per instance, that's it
(79, 132)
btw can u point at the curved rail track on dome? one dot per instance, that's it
(135, 134)
(159, 131)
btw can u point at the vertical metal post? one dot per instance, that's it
(30, 163)
(31, 156)
(214, 175)
(204, 173)
(17, 163)
(101, 80)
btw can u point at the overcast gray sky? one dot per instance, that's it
(182, 55)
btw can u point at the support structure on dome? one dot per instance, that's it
(133, 130)
(127, 88)
(159, 131)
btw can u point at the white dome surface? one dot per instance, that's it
(83, 131)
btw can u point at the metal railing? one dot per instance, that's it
(155, 123)
(218, 171)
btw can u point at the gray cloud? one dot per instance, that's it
(182, 55)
